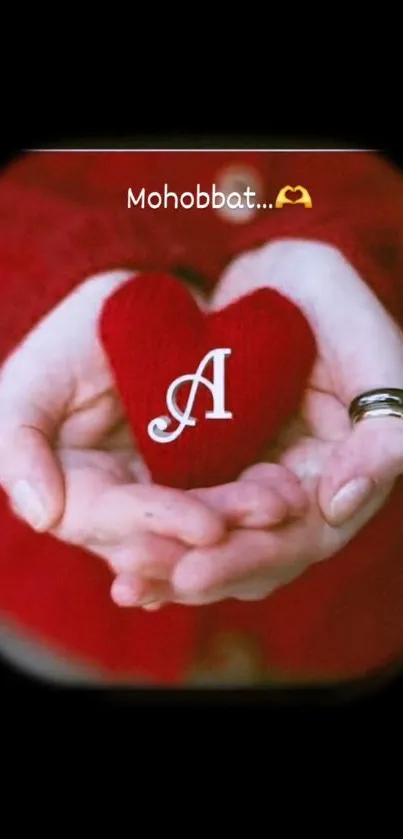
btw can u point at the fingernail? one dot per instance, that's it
(350, 498)
(152, 605)
(27, 504)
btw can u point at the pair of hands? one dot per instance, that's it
(69, 466)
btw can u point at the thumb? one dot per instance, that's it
(37, 383)
(30, 473)
(371, 455)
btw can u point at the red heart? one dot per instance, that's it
(153, 332)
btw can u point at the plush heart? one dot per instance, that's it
(153, 332)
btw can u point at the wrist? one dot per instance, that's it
(290, 264)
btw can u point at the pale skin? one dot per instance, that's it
(63, 434)
(62, 431)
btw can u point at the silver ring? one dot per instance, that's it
(383, 402)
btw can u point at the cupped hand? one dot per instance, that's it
(68, 463)
(254, 502)
(360, 348)
(347, 471)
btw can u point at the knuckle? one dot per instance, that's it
(251, 493)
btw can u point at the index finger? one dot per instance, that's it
(122, 511)
(105, 506)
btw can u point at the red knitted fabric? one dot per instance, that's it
(154, 332)
(64, 216)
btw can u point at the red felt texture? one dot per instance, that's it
(154, 332)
